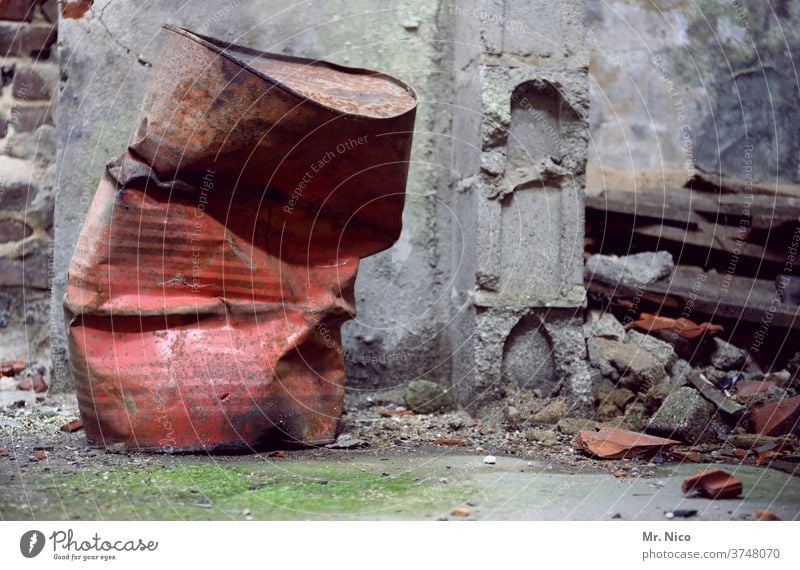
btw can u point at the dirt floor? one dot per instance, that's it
(392, 465)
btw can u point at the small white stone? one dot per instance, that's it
(490, 460)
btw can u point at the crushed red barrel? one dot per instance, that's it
(713, 484)
(218, 259)
(778, 417)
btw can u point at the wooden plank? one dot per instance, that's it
(712, 295)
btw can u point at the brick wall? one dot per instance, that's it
(29, 79)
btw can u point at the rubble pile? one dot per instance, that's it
(711, 394)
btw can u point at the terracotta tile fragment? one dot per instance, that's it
(615, 443)
(12, 367)
(452, 441)
(749, 388)
(713, 484)
(72, 426)
(684, 327)
(765, 515)
(776, 418)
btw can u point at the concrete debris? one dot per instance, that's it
(663, 351)
(614, 402)
(684, 415)
(656, 395)
(713, 484)
(625, 363)
(638, 269)
(347, 441)
(752, 441)
(714, 394)
(552, 412)
(543, 437)
(603, 325)
(571, 426)
(426, 397)
(725, 356)
(679, 372)
(615, 443)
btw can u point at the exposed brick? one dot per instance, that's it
(32, 271)
(27, 119)
(29, 40)
(13, 230)
(16, 196)
(29, 85)
(17, 10)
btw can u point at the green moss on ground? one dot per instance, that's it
(266, 490)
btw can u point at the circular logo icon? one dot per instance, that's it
(31, 543)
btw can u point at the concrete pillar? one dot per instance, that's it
(519, 159)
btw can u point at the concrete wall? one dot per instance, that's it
(519, 168)
(106, 48)
(28, 86)
(680, 87)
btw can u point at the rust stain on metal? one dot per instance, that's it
(217, 261)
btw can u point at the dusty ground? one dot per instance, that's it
(401, 466)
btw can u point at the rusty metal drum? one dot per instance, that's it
(218, 259)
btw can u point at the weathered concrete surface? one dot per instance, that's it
(518, 166)
(363, 487)
(400, 293)
(680, 86)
